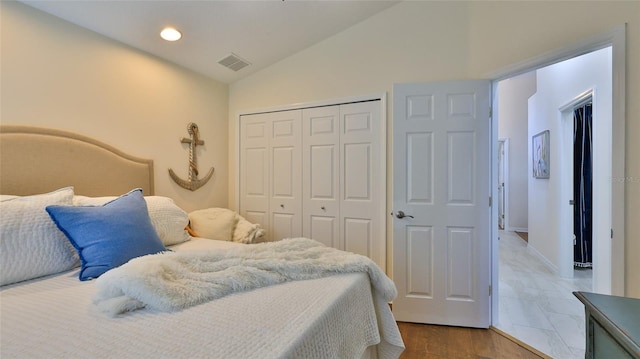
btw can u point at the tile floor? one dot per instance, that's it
(538, 307)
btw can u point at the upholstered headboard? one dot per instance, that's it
(38, 160)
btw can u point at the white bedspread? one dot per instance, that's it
(333, 317)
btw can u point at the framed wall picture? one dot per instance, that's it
(541, 155)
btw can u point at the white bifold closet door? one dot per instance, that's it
(315, 172)
(321, 175)
(270, 175)
(341, 157)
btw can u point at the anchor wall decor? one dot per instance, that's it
(193, 183)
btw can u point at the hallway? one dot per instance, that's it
(536, 306)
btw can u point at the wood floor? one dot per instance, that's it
(435, 341)
(524, 236)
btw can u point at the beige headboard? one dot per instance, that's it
(38, 160)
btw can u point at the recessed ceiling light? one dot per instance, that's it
(170, 34)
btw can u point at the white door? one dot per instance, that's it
(441, 183)
(321, 175)
(271, 174)
(342, 159)
(361, 159)
(254, 173)
(286, 175)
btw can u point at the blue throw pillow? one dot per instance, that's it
(110, 235)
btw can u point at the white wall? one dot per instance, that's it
(86, 83)
(56, 74)
(428, 41)
(513, 95)
(557, 86)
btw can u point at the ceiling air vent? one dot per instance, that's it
(234, 62)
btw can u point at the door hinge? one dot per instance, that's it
(612, 233)
(490, 290)
(490, 201)
(490, 112)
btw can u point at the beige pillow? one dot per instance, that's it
(247, 232)
(167, 218)
(214, 223)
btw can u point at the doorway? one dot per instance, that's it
(616, 38)
(582, 185)
(577, 134)
(603, 256)
(610, 202)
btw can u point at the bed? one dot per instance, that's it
(53, 315)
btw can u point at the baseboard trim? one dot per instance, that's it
(553, 268)
(520, 343)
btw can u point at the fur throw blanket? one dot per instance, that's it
(172, 281)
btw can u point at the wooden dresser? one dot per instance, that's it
(612, 326)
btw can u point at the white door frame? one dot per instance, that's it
(615, 38)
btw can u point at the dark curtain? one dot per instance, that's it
(582, 186)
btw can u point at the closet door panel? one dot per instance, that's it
(359, 180)
(283, 167)
(325, 230)
(323, 168)
(255, 160)
(283, 225)
(357, 172)
(358, 231)
(259, 217)
(316, 172)
(254, 168)
(320, 182)
(286, 175)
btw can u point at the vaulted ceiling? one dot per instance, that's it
(260, 32)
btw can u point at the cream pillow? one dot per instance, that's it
(167, 218)
(31, 245)
(247, 232)
(214, 223)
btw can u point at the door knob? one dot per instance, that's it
(401, 214)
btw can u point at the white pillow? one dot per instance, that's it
(214, 223)
(247, 232)
(31, 245)
(92, 201)
(167, 218)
